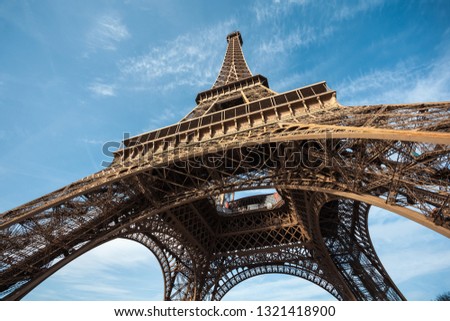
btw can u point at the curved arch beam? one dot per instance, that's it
(294, 270)
(373, 200)
(131, 168)
(379, 202)
(29, 286)
(366, 198)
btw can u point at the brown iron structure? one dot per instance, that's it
(173, 190)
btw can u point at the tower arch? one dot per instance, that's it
(239, 275)
(119, 269)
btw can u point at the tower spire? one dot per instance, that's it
(234, 67)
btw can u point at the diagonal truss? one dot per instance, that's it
(169, 189)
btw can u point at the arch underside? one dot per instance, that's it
(344, 263)
(310, 259)
(185, 281)
(178, 275)
(177, 200)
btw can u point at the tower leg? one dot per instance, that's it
(349, 246)
(307, 206)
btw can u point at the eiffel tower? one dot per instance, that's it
(191, 192)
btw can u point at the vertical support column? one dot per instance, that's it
(350, 248)
(308, 206)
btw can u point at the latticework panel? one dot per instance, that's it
(234, 67)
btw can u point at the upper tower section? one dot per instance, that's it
(234, 67)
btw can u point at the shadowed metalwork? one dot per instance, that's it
(175, 191)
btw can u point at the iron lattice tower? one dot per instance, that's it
(172, 190)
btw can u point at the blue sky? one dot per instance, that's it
(77, 74)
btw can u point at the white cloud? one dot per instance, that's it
(190, 59)
(102, 290)
(118, 270)
(301, 37)
(342, 11)
(275, 9)
(107, 32)
(119, 253)
(408, 251)
(100, 89)
(167, 116)
(394, 232)
(93, 141)
(417, 264)
(404, 83)
(336, 11)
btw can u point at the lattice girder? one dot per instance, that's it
(306, 270)
(193, 183)
(348, 242)
(435, 116)
(234, 67)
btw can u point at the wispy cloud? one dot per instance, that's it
(190, 59)
(102, 290)
(118, 270)
(93, 141)
(106, 256)
(166, 116)
(342, 11)
(108, 31)
(101, 89)
(275, 9)
(336, 11)
(301, 37)
(409, 251)
(407, 81)
(102, 262)
(411, 267)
